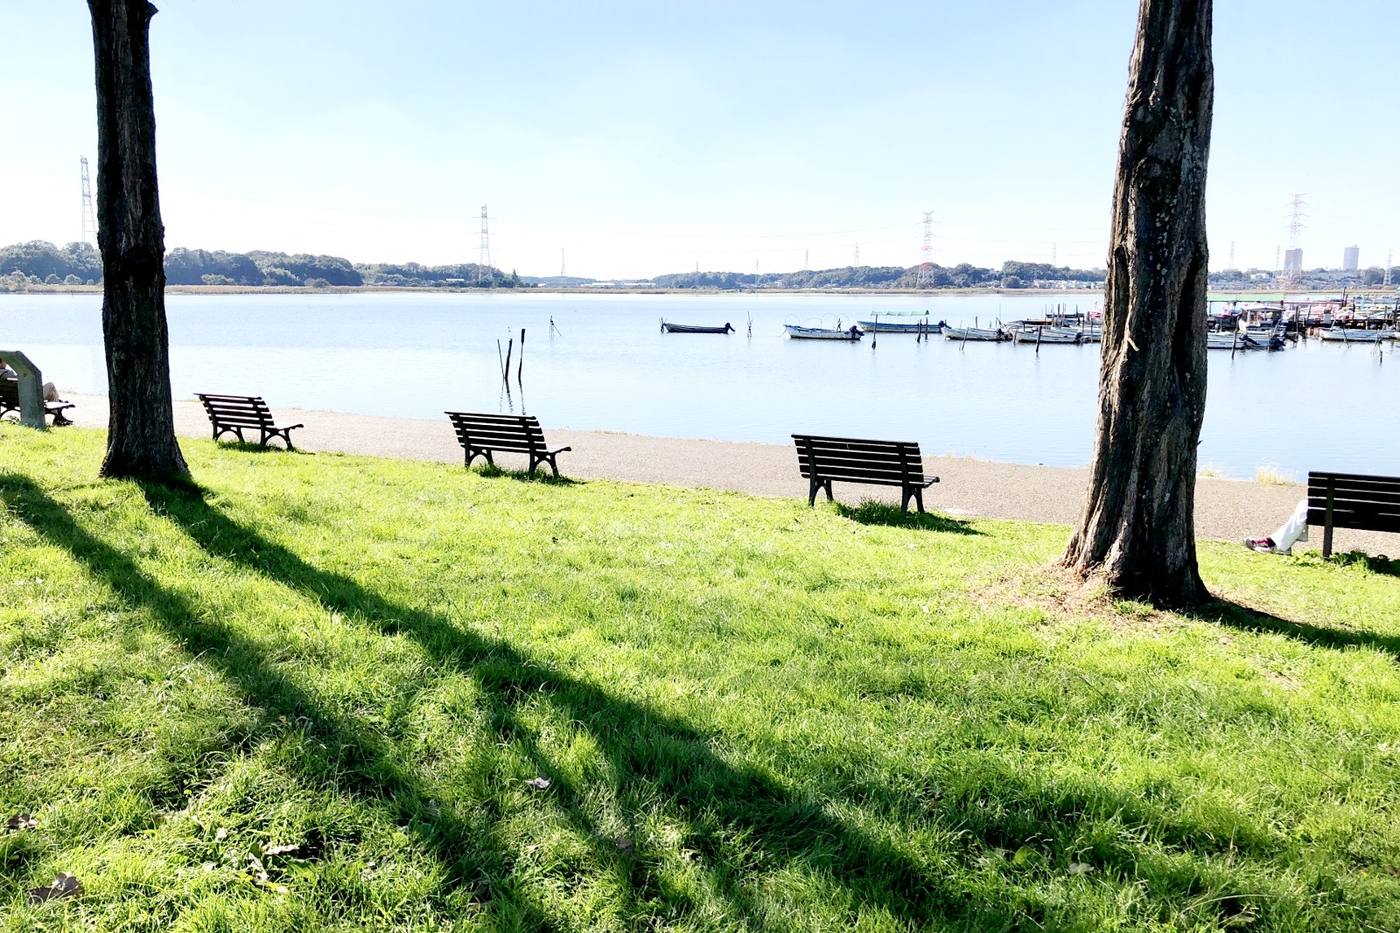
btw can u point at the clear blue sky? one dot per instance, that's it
(646, 137)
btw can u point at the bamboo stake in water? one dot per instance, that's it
(520, 367)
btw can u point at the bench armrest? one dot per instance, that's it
(559, 451)
(292, 427)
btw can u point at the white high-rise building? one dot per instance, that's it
(1351, 259)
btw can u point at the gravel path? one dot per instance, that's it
(1225, 509)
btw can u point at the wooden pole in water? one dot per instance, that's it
(500, 359)
(875, 334)
(1039, 330)
(520, 367)
(505, 373)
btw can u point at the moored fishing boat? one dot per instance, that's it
(1355, 335)
(901, 327)
(668, 328)
(798, 332)
(973, 333)
(1046, 335)
(1239, 340)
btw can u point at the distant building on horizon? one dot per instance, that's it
(1351, 259)
(1293, 261)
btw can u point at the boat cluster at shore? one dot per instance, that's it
(1233, 327)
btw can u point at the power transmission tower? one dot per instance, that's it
(561, 262)
(89, 219)
(483, 263)
(926, 253)
(1388, 255)
(1296, 224)
(857, 254)
(1232, 255)
(806, 258)
(1054, 254)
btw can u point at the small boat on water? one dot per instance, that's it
(973, 333)
(900, 327)
(668, 328)
(823, 333)
(1238, 340)
(1047, 335)
(1355, 335)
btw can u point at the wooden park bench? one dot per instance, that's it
(234, 414)
(1352, 500)
(853, 460)
(480, 434)
(9, 403)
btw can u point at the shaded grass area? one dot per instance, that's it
(314, 694)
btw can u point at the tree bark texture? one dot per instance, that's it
(141, 427)
(1138, 528)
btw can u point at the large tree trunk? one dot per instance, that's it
(1138, 529)
(141, 427)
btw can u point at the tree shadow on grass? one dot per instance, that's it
(870, 512)
(656, 756)
(1376, 563)
(1234, 615)
(473, 853)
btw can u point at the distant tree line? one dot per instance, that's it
(74, 264)
(1244, 279)
(42, 263)
(1012, 274)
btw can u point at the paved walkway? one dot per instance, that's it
(1225, 509)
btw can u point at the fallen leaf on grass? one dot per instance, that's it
(20, 821)
(1080, 868)
(65, 885)
(538, 783)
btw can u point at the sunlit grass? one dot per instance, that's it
(315, 695)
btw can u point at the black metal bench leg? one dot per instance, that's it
(905, 495)
(812, 488)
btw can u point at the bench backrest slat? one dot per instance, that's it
(864, 460)
(1357, 500)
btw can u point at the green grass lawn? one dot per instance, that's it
(314, 696)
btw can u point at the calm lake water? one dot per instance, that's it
(609, 367)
